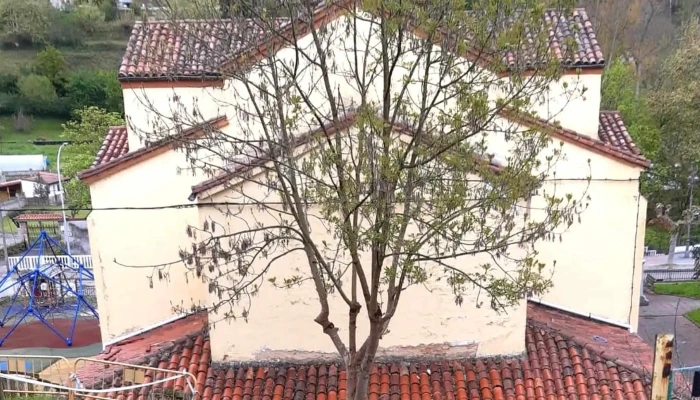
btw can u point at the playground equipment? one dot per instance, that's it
(52, 289)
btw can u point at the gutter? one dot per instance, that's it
(580, 314)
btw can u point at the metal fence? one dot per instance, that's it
(668, 275)
(681, 383)
(88, 378)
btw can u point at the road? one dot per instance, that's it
(665, 314)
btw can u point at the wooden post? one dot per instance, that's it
(663, 357)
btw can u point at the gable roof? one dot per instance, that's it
(186, 49)
(251, 161)
(106, 163)
(48, 178)
(613, 140)
(198, 49)
(556, 365)
(39, 217)
(115, 145)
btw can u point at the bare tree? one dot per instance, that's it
(372, 139)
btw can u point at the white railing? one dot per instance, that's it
(29, 262)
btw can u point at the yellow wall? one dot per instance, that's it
(596, 263)
(126, 303)
(280, 322)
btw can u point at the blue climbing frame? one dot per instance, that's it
(55, 274)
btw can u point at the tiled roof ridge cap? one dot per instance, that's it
(641, 372)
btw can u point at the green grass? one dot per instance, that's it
(13, 142)
(694, 315)
(684, 289)
(8, 225)
(102, 51)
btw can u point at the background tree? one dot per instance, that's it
(41, 190)
(51, 64)
(37, 94)
(99, 89)
(86, 133)
(388, 211)
(673, 100)
(24, 21)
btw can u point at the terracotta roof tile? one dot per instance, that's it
(612, 130)
(184, 49)
(151, 149)
(116, 144)
(573, 27)
(159, 342)
(555, 367)
(39, 217)
(612, 139)
(199, 49)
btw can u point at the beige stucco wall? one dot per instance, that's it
(595, 263)
(126, 302)
(573, 102)
(158, 109)
(280, 322)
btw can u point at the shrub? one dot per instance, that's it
(37, 94)
(94, 88)
(16, 249)
(657, 239)
(24, 22)
(89, 17)
(8, 103)
(110, 11)
(51, 64)
(22, 122)
(64, 29)
(8, 82)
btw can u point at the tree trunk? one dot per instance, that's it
(672, 246)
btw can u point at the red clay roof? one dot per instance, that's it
(563, 27)
(197, 49)
(138, 349)
(115, 145)
(127, 158)
(48, 178)
(39, 217)
(184, 49)
(556, 367)
(612, 140)
(612, 130)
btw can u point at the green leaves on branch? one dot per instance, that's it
(86, 132)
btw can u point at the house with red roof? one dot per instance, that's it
(577, 339)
